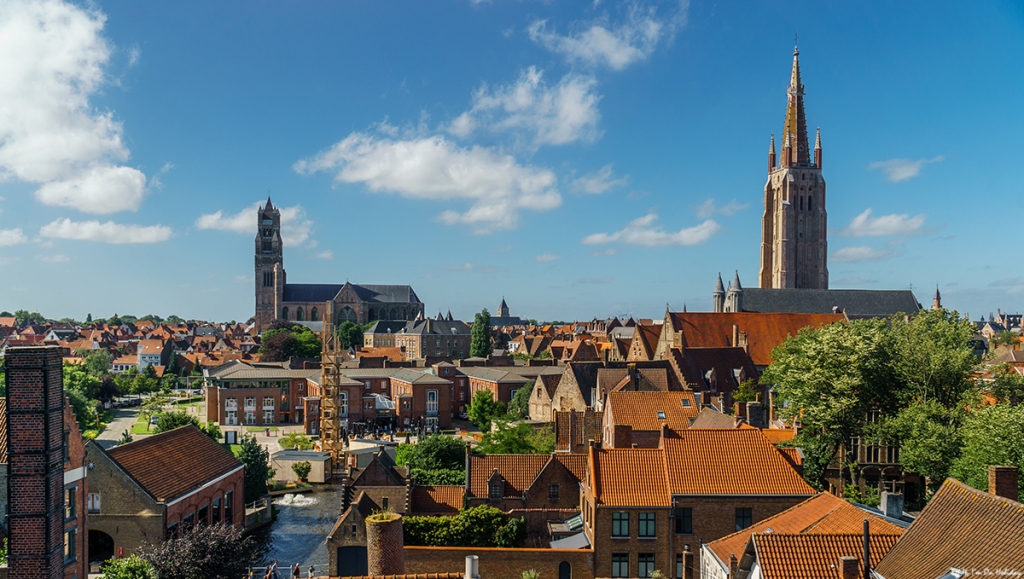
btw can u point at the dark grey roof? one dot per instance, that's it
(420, 327)
(385, 327)
(854, 303)
(310, 292)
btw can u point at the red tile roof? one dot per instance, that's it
(822, 513)
(574, 463)
(652, 410)
(173, 463)
(518, 470)
(630, 477)
(438, 498)
(764, 331)
(736, 461)
(961, 527)
(784, 556)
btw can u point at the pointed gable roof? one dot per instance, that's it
(783, 556)
(651, 410)
(615, 472)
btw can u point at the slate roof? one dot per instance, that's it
(640, 410)
(695, 363)
(616, 473)
(493, 375)
(961, 527)
(854, 303)
(735, 461)
(438, 498)
(322, 292)
(174, 463)
(785, 556)
(822, 513)
(419, 377)
(764, 331)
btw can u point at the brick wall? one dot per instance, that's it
(76, 490)
(501, 563)
(126, 514)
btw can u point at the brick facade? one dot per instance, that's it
(498, 563)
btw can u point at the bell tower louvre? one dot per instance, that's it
(794, 248)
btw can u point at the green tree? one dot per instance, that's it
(1007, 384)
(131, 567)
(22, 317)
(126, 437)
(518, 439)
(256, 459)
(175, 419)
(173, 319)
(173, 367)
(483, 409)
(1005, 338)
(350, 334)
(97, 362)
(88, 318)
(76, 378)
(439, 451)
(301, 469)
(296, 441)
(403, 453)
(520, 403)
(83, 407)
(993, 436)
(482, 526)
(441, 476)
(933, 356)
(747, 392)
(480, 345)
(928, 436)
(202, 552)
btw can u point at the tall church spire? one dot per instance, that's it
(796, 123)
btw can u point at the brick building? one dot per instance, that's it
(502, 384)
(421, 398)
(421, 338)
(255, 394)
(148, 490)
(638, 418)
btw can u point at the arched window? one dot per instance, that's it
(284, 313)
(810, 202)
(300, 316)
(801, 203)
(393, 315)
(314, 316)
(347, 314)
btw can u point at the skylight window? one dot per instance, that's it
(661, 415)
(686, 403)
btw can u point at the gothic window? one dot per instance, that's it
(314, 316)
(394, 314)
(300, 315)
(801, 203)
(810, 202)
(347, 314)
(284, 313)
(373, 315)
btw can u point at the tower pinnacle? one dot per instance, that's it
(796, 123)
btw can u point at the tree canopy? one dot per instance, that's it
(202, 552)
(518, 439)
(256, 459)
(350, 334)
(480, 345)
(484, 409)
(279, 344)
(992, 435)
(481, 526)
(520, 403)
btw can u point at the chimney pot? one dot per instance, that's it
(892, 504)
(1003, 482)
(472, 567)
(849, 567)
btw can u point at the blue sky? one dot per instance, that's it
(582, 159)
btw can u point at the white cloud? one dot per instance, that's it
(471, 267)
(618, 45)
(897, 170)
(243, 278)
(52, 56)
(543, 115)
(434, 168)
(708, 208)
(108, 232)
(859, 253)
(295, 228)
(545, 257)
(864, 225)
(12, 237)
(325, 255)
(599, 182)
(59, 258)
(644, 232)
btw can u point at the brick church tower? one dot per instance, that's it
(794, 248)
(270, 275)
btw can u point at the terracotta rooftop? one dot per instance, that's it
(784, 556)
(822, 513)
(764, 331)
(651, 410)
(518, 470)
(709, 417)
(777, 435)
(173, 463)
(737, 461)
(616, 473)
(438, 498)
(574, 463)
(961, 527)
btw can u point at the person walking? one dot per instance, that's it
(296, 572)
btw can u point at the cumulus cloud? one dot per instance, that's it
(471, 267)
(325, 255)
(643, 231)
(295, 228)
(108, 232)
(545, 257)
(600, 181)
(52, 56)
(859, 253)
(709, 208)
(12, 237)
(897, 170)
(433, 168)
(59, 258)
(864, 225)
(615, 45)
(538, 113)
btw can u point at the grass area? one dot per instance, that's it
(195, 401)
(235, 449)
(141, 428)
(260, 428)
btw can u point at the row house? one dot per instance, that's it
(644, 507)
(421, 399)
(153, 352)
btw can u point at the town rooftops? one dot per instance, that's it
(239, 370)
(855, 303)
(518, 471)
(804, 556)
(961, 527)
(418, 377)
(498, 376)
(173, 463)
(630, 477)
(651, 410)
(438, 498)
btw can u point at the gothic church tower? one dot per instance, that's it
(794, 247)
(270, 275)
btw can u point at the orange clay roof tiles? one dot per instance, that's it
(961, 527)
(777, 435)
(651, 410)
(822, 513)
(574, 463)
(784, 556)
(630, 477)
(792, 455)
(764, 331)
(437, 498)
(518, 470)
(736, 461)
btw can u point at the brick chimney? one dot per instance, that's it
(892, 504)
(849, 568)
(755, 414)
(1002, 482)
(687, 562)
(35, 459)
(734, 565)
(385, 545)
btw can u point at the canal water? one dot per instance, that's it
(299, 531)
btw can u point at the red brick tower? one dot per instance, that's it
(35, 484)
